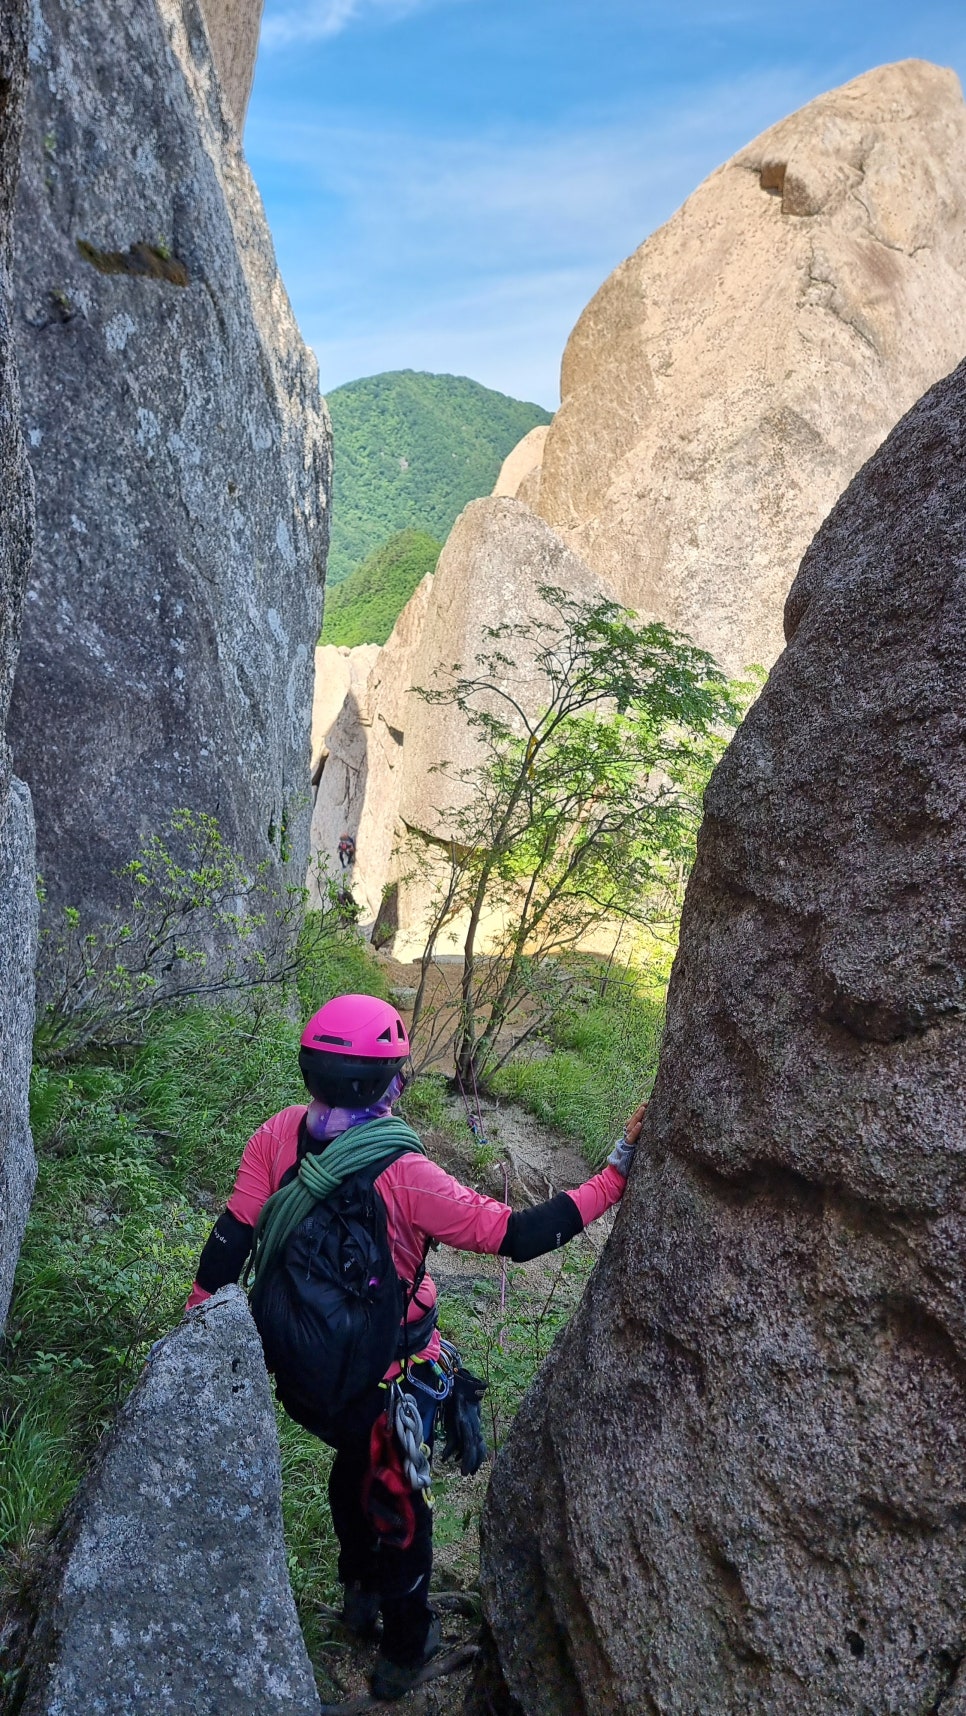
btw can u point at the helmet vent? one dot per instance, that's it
(385, 1036)
(337, 1042)
(399, 1030)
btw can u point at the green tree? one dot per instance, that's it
(364, 609)
(580, 817)
(411, 450)
(193, 923)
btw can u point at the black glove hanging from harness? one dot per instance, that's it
(460, 1414)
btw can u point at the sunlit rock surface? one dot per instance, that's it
(520, 471)
(233, 27)
(731, 376)
(399, 766)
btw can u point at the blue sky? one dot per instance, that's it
(449, 181)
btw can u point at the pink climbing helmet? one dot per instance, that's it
(352, 1049)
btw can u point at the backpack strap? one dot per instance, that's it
(373, 1145)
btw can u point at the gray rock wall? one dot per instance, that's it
(738, 1486)
(181, 453)
(167, 1590)
(18, 952)
(18, 900)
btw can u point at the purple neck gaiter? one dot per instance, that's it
(324, 1123)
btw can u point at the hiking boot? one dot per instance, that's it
(391, 1680)
(360, 1611)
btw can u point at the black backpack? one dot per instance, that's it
(330, 1312)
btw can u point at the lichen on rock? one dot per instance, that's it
(18, 899)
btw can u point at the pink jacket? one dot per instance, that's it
(422, 1202)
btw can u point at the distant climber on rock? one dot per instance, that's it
(337, 1203)
(347, 851)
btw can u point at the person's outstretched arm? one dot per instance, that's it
(441, 1207)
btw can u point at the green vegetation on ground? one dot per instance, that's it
(596, 1061)
(137, 1149)
(138, 1146)
(364, 609)
(411, 450)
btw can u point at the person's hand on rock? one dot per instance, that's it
(622, 1154)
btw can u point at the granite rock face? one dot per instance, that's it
(391, 775)
(728, 380)
(233, 27)
(339, 670)
(18, 895)
(18, 952)
(520, 471)
(181, 454)
(489, 574)
(737, 1486)
(361, 781)
(167, 1589)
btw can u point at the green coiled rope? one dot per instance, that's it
(319, 1174)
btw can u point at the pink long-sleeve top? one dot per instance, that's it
(422, 1202)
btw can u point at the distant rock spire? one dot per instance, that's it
(233, 29)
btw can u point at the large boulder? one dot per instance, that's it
(732, 375)
(520, 471)
(18, 894)
(738, 1484)
(339, 670)
(167, 1588)
(497, 557)
(181, 453)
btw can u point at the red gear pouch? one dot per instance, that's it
(386, 1497)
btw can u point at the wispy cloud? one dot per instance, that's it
(286, 24)
(477, 254)
(521, 198)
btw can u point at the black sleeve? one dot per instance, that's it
(529, 1233)
(226, 1249)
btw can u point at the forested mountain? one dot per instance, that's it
(410, 450)
(364, 607)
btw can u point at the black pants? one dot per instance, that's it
(400, 1577)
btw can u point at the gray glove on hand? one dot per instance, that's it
(622, 1154)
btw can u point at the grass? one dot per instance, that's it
(596, 1063)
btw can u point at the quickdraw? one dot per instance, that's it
(407, 1426)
